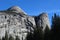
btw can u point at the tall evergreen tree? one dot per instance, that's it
(0, 39)
(3, 38)
(38, 34)
(55, 33)
(17, 38)
(6, 36)
(11, 38)
(46, 33)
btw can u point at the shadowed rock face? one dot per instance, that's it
(14, 21)
(43, 21)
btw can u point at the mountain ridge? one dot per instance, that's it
(16, 22)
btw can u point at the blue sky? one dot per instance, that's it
(33, 7)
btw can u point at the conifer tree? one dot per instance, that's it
(6, 36)
(3, 38)
(29, 36)
(38, 34)
(55, 33)
(11, 38)
(17, 38)
(46, 33)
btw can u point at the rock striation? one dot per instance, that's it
(16, 22)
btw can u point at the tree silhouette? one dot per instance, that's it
(17, 38)
(29, 36)
(6, 36)
(55, 31)
(36, 35)
(3, 38)
(46, 33)
(11, 38)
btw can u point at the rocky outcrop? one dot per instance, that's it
(42, 21)
(15, 22)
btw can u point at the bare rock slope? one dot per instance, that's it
(16, 22)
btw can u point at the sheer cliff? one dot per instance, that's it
(15, 21)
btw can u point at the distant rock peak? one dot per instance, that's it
(16, 9)
(43, 14)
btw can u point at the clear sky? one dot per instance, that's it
(33, 7)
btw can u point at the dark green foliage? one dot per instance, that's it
(11, 38)
(6, 36)
(55, 31)
(46, 33)
(3, 38)
(29, 36)
(0, 39)
(17, 38)
(36, 35)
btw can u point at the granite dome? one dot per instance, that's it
(16, 23)
(16, 9)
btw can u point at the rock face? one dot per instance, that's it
(15, 22)
(42, 21)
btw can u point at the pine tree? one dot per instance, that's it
(6, 36)
(55, 33)
(3, 38)
(29, 36)
(46, 33)
(11, 38)
(38, 34)
(0, 39)
(17, 38)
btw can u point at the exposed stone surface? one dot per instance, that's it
(14, 21)
(42, 21)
